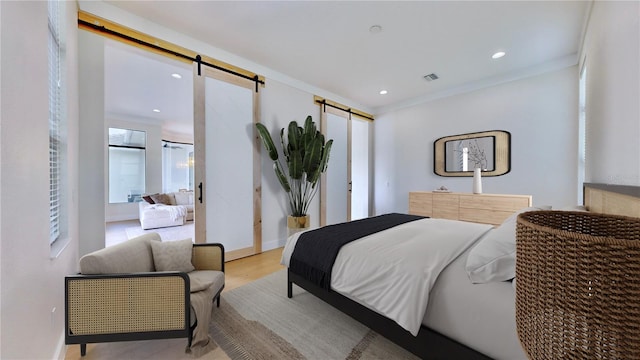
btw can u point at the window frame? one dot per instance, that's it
(190, 165)
(127, 146)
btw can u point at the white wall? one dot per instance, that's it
(282, 104)
(611, 52)
(540, 113)
(1, 178)
(31, 281)
(92, 138)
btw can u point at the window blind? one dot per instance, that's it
(55, 148)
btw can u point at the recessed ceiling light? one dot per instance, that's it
(383, 92)
(498, 55)
(375, 29)
(156, 110)
(176, 75)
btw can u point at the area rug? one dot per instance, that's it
(258, 321)
(166, 234)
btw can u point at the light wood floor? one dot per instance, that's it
(237, 273)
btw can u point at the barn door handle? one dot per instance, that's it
(200, 197)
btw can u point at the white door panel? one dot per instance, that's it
(227, 163)
(346, 185)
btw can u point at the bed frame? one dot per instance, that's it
(612, 199)
(429, 344)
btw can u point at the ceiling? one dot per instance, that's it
(138, 82)
(329, 45)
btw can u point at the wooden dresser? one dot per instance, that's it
(479, 208)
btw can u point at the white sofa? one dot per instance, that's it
(177, 209)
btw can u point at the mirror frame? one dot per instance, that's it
(502, 153)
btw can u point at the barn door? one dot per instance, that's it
(227, 162)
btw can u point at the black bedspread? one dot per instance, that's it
(316, 250)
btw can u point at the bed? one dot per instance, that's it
(455, 320)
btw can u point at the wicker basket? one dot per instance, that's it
(578, 285)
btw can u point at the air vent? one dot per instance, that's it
(431, 77)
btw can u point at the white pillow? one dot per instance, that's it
(183, 198)
(494, 257)
(173, 255)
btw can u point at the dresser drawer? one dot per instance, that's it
(509, 203)
(489, 208)
(479, 208)
(445, 206)
(484, 216)
(421, 203)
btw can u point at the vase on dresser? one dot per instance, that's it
(477, 181)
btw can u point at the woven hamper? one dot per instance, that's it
(578, 285)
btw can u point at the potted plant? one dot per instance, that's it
(306, 156)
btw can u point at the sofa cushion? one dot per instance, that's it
(131, 256)
(202, 279)
(173, 255)
(184, 197)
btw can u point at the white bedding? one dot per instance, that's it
(400, 266)
(481, 316)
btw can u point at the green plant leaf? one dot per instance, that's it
(309, 126)
(325, 155)
(295, 164)
(309, 131)
(267, 141)
(307, 139)
(293, 135)
(314, 177)
(312, 156)
(280, 175)
(285, 149)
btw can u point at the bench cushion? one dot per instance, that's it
(202, 279)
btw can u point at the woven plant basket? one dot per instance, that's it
(578, 285)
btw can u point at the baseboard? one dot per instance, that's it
(122, 217)
(61, 349)
(273, 244)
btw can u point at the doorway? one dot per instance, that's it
(151, 95)
(346, 184)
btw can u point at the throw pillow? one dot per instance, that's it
(172, 255)
(494, 257)
(182, 198)
(161, 199)
(148, 199)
